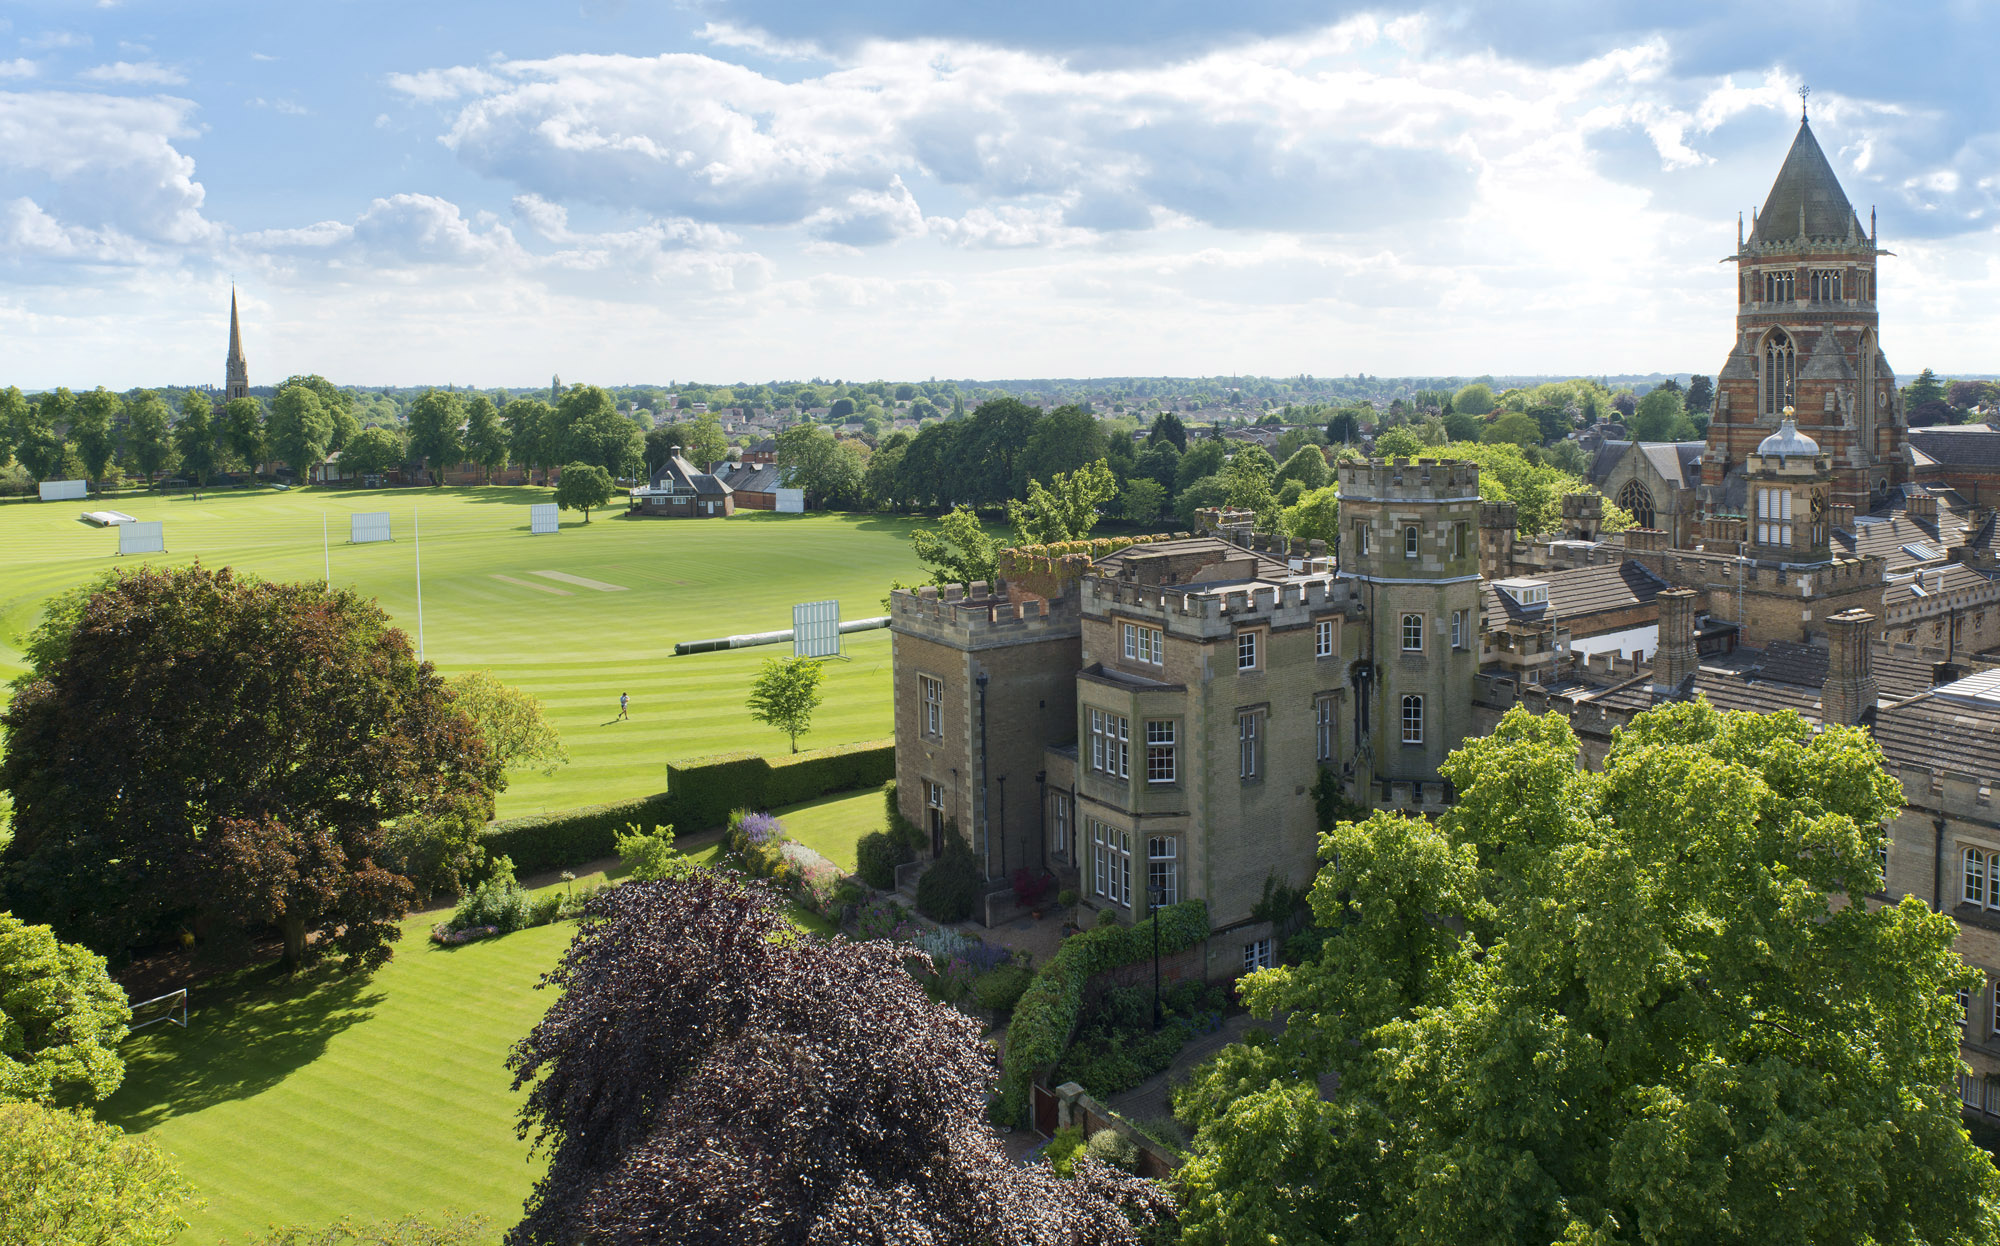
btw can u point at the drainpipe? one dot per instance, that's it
(1042, 802)
(985, 825)
(1937, 870)
(1002, 781)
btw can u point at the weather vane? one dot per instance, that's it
(1804, 91)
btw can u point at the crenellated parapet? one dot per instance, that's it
(1421, 480)
(979, 615)
(1208, 613)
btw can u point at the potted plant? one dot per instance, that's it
(1067, 902)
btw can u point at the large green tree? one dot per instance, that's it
(1633, 1006)
(485, 436)
(373, 452)
(61, 1019)
(300, 428)
(68, 1180)
(248, 791)
(1065, 509)
(957, 550)
(435, 437)
(195, 438)
(93, 429)
(38, 433)
(703, 440)
(149, 435)
(242, 433)
(531, 434)
(828, 469)
(583, 487)
(1661, 416)
(1065, 440)
(588, 429)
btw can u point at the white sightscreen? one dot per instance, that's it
(816, 629)
(141, 538)
(791, 501)
(541, 518)
(369, 526)
(65, 490)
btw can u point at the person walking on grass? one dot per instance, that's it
(624, 704)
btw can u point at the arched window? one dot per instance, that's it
(1779, 372)
(1410, 539)
(1637, 500)
(1413, 720)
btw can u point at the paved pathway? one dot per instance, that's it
(1153, 1097)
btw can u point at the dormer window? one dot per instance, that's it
(1410, 540)
(1529, 594)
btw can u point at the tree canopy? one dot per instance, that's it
(300, 428)
(957, 550)
(248, 790)
(1066, 509)
(1662, 416)
(707, 1074)
(1618, 1007)
(786, 693)
(68, 1180)
(61, 1019)
(435, 419)
(583, 487)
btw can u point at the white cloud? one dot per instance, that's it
(262, 56)
(289, 108)
(106, 161)
(136, 73)
(751, 39)
(19, 67)
(49, 40)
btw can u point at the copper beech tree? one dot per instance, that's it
(197, 750)
(709, 1075)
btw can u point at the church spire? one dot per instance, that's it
(237, 367)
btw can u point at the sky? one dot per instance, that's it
(625, 191)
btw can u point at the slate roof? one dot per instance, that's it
(1605, 461)
(766, 479)
(1806, 200)
(1885, 538)
(1941, 733)
(1901, 671)
(1579, 593)
(1970, 446)
(678, 470)
(1957, 577)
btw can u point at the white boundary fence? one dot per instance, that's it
(142, 538)
(369, 526)
(65, 490)
(173, 1006)
(816, 629)
(542, 518)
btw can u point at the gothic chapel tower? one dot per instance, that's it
(1806, 338)
(238, 368)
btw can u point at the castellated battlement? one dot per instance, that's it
(1946, 791)
(980, 616)
(1424, 480)
(1216, 611)
(1707, 569)
(1801, 466)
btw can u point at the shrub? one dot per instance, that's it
(1047, 1013)
(1030, 886)
(949, 889)
(498, 902)
(952, 979)
(553, 841)
(881, 919)
(901, 829)
(943, 943)
(441, 851)
(876, 857)
(1107, 917)
(1063, 1149)
(409, 1231)
(999, 991)
(649, 858)
(1114, 1148)
(545, 908)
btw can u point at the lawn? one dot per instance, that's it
(300, 1102)
(488, 603)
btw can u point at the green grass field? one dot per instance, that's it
(484, 605)
(300, 1102)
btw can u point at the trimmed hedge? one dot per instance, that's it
(949, 890)
(706, 789)
(1048, 1010)
(700, 794)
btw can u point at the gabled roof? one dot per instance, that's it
(1961, 447)
(1806, 201)
(678, 470)
(767, 479)
(1605, 461)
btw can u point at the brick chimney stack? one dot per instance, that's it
(1675, 659)
(1921, 506)
(1843, 516)
(1849, 691)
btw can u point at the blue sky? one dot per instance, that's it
(624, 191)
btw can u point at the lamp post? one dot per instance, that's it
(1153, 898)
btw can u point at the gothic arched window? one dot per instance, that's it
(1780, 365)
(1637, 500)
